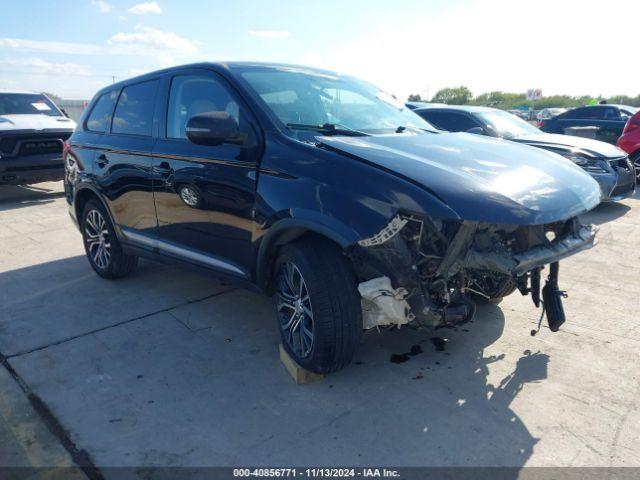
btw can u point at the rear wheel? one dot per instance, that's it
(317, 305)
(101, 245)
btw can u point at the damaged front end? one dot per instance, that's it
(427, 271)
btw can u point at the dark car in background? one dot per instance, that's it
(607, 164)
(32, 132)
(323, 191)
(609, 120)
(629, 141)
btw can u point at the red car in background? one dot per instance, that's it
(629, 141)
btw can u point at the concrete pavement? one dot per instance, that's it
(169, 368)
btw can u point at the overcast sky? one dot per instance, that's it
(72, 48)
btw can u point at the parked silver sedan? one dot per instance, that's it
(606, 163)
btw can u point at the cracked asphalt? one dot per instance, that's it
(171, 368)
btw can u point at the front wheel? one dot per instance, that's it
(317, 305)
(101, 244)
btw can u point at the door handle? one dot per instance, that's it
(164, 169)
(102, 160)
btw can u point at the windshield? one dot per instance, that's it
(506, 125)
(27, 104)
(303, 97)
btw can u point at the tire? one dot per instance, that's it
(98, 233)
(497, 294)
(316, 291)
(488, 301)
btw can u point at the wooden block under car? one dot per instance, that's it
(299, 374)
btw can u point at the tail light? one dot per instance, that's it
(632, 124)
(541, 124)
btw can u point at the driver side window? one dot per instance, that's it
(192, 95)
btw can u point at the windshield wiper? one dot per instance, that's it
(328, 129)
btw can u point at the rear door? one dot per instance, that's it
(88, 138)
(204, 195)
(123, 162)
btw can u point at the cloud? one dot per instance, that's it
(101, 5)
(147, 38)
(270, 33)
(146, 7)
(39, 66)
(51, 47)
(155, 48)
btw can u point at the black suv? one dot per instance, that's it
(323, 191)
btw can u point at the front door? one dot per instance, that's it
(204, 195)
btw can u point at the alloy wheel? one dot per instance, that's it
(294, 310)
(97, 238)
(189, 196)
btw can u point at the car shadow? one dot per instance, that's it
(166, 368)
(606, 212)
(20, 196)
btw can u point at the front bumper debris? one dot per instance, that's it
(524, 262)
(429, 272)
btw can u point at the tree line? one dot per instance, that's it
(506, 100)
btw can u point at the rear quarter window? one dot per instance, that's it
(100, 116)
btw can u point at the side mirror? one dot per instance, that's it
(213, 128)
(476, 130)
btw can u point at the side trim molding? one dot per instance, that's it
(181, 252)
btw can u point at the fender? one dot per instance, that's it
(296, 223)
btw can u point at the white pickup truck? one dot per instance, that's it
(32, 132)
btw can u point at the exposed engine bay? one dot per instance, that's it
(431, 272)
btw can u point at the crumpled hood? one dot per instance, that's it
(586, 146)
(481, 178)
(36, 121)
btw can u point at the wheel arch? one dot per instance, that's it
(287, 230)
(83, 196)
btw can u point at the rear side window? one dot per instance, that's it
(100, 116)
(432, 117)
(611, 113)
(453, 122)
(134, 112)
